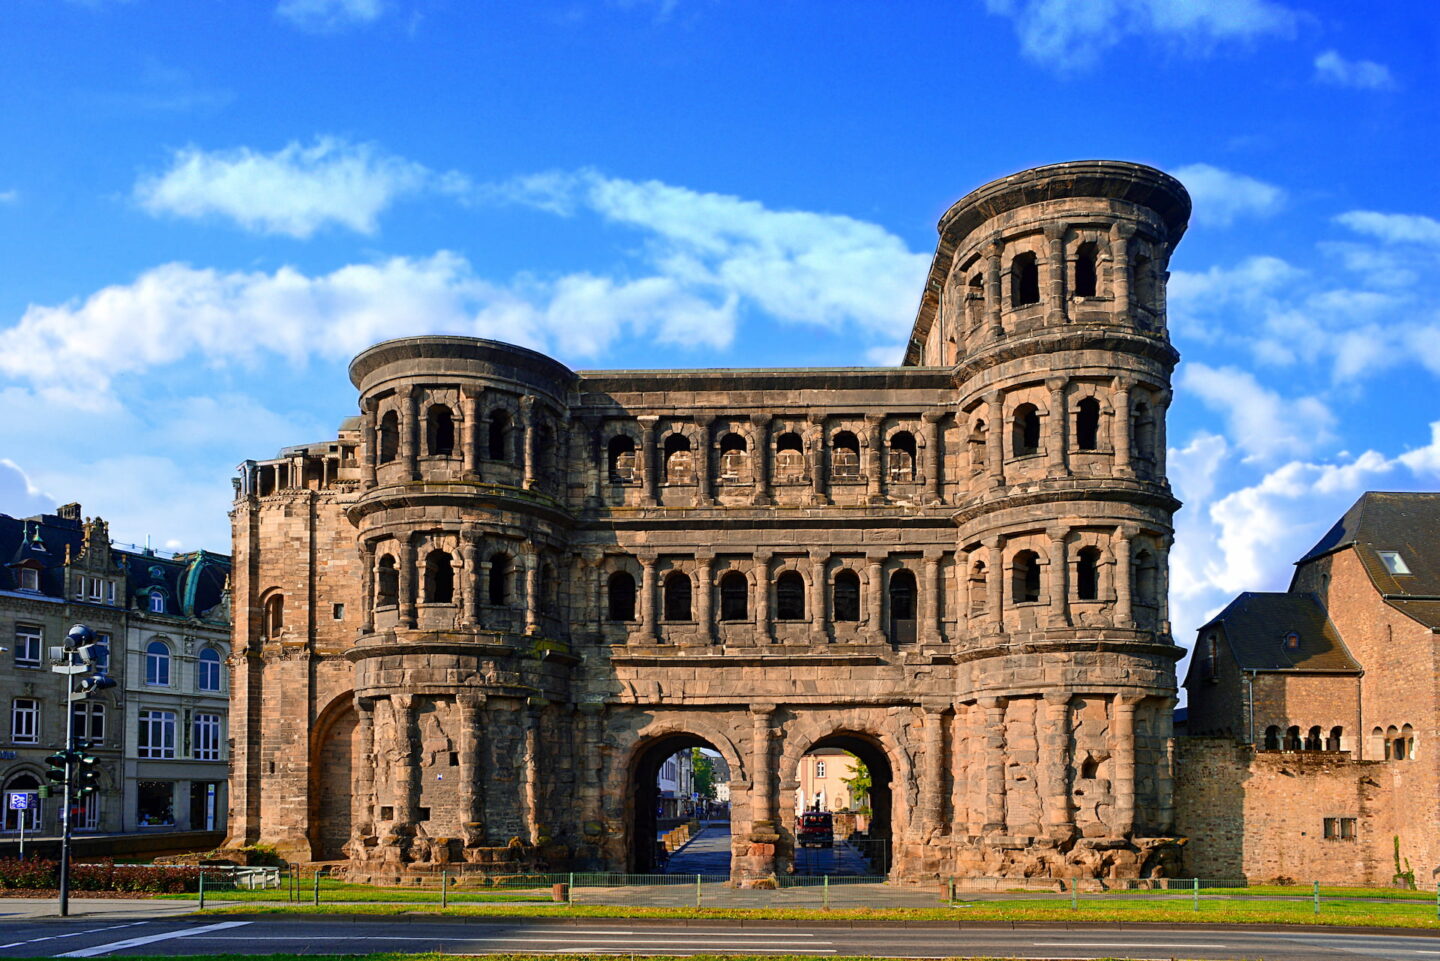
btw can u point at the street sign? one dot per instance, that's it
(19, 801)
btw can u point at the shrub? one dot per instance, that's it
(103, 876)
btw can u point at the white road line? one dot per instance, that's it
(1119, 944)
(100, 949)
(460, 939)
(73, 934)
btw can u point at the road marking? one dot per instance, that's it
(73, 934)
(459, 939)
(149, 939)
(1119, 944)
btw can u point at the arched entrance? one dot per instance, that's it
(332, 764)
(666, 775)
(843, 784)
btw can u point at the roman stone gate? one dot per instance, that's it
(468, 629)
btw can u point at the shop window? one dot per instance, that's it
(155, 804)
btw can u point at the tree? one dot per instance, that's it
(703, 766)
(859, 786)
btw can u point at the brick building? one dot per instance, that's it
(475, 622)
(1313, 712)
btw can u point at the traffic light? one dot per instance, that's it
(87, 774)
(59, 766)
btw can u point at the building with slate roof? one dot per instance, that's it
(57, 570)
(1314, 712)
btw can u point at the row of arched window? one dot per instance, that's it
(1083, 278)
(1292, 738)
(677, 596)
(437, 580)
(209, 671)
(497, 436)
(679, 460)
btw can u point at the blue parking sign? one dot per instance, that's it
(19, 801)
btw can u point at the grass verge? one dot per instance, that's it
(526, 957)
(362, 893)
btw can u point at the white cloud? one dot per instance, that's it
(1221, 195)
(885, 355)
(1334, 69)
(295, 190)
(1260, 421)
(9, 196)
(1072, 34)
(1393, 228)
(19, 496)
(325, 16)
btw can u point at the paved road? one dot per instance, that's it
(92, 939)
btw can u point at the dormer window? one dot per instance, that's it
(1292, 641)
(29, 579)
(157, 603)
(1393, 562)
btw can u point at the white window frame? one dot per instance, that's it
(157, 602)
(110, 593)
(27, 637)
(819, 768)
(1394, 563)
(201, 664)
(86, 713)
(155, 737)
(103, 642)
(97, 589)
(208, 733)
(157, 659)
(23, 717)
(90, 812)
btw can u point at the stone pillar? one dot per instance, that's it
(601, 596)
(1057, 437)
(1059, 590)
(372, 445)
(763, 634)
(532, 593)
(761, 459)
(528, 416)
(406, 768)
(1055, 309)
(1165, 776)
(362, 802)
(649, 633)
(407, 580)
(995, 760)
(1162, 406)
(1120, 235)
(874, 462)
(816, 608)
(974, 784)
(469, 432)
(469, 739)
(875, 599)
(1162, 582)
(532, 771)
(367, 587)
(995, 438)
(469, 580)
(930, 432)
(482, 589)
(1124, 604)
(993, 252)
(594, 430)
(995, 585)
(409, 431)
(817, 459)
(929, 632)
(704, 479)
(932, 777)
(1122, 749)
(762, 769)
(1054, 766)
(704, 597)
(647, 458)
(1120, 437)
(589, 785)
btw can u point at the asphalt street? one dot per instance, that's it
(81, 938)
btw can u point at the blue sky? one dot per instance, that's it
(205, 209)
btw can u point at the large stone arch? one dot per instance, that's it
(333, 760)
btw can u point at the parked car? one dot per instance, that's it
(817, 829)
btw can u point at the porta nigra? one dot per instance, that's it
(469, 628)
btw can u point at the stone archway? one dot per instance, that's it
(333, 761)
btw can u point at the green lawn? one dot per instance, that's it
(332, 891)
(516, 957)
(1295, 890)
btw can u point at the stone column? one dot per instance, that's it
(647, 458)
(817, 459)
(1165, 776)
(406, 768)
(594, 430)
(367, 587)
(1120, 235)
(407, 580)
(995, 585)
(528, 417)
(874, 462)
(589, 771)
(932, 778)
(763, 634)
(1162, 579)
(362, 803)
(1059, 590)
(649, 633)
(469, 432)
(1124, 605)
(930, 431)
(472, 800)
(469, 580)
(372, 445)
(601, 596)
(1056, 311)
(816, 609)
(410, 431)
(704, 597)
(995, 438)
(1121, 429)
(1162, 405)
(482, 588)
(532, 771)
(993, 252)
(929, 632)
(762, 773)
(1122, 749)
(995, 760)
(704, 479)
(975, 767)
(532, 593)
(1057, 437)
(875, 599)
(761, 459)
(1054, 766)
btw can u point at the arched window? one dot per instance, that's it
(274, 615)
(621, 453)
(789, 457)
(1313, 739)
(679, 463)
(790, 596)
(1407, 744)
(1146, 576)
(549, 588)
(976, 442)
(209, 671)
(387, 583)
(1333, 742)
(1087, 424)
(1087, 574)
(1272, 738)
(1024, 280)
(544, 451)
(496, 446)
(734, 457)
(845, 456)
(620, 593)
(439, 431)
(1212, 658)
(847, 596)
(439, 578)
(979, 591)
(389, 436)
(499, 586)
(975, 299)
(157, 602)
(677, 596)
(1292, 738)
(902, 607)
(734, 597)
(1089, 769)
(1143, 432)
(157, 664)
(1085, 272)
(1026, 586)
(1025, 439)
(902, 456)
(1142, 282)
(1378, 748)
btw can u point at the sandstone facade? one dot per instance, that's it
(507, 590)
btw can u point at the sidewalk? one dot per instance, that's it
(117, 909)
